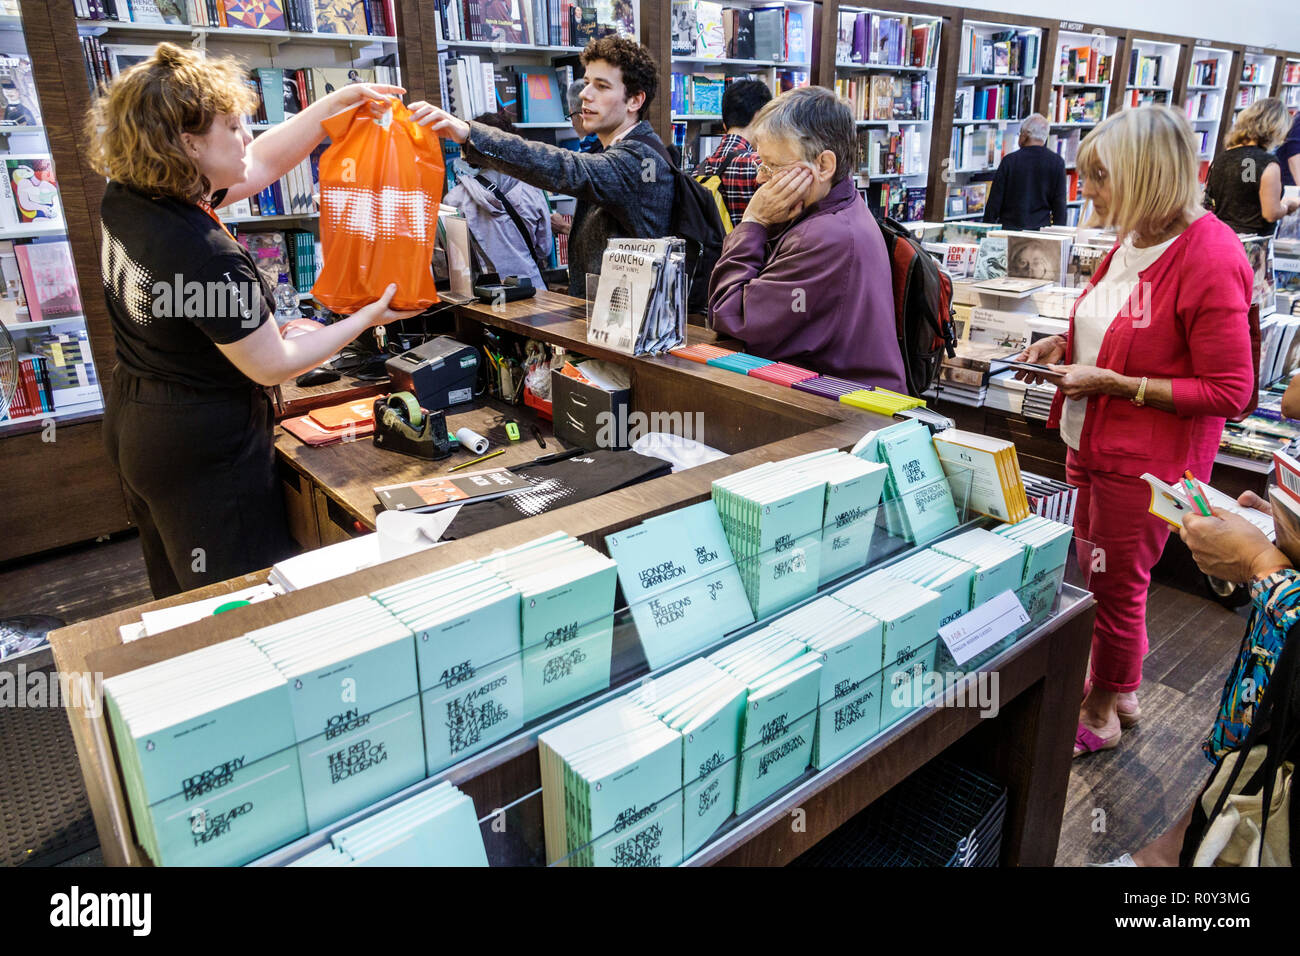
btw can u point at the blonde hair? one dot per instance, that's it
(134, 126)
(1149, 156)
(1264, 122)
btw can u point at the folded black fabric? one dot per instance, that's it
(556, 485)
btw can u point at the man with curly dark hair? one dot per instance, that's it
(626, 190)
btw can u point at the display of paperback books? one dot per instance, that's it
(1049, 498)
(886, 40)
(206, 745)
(437, 827)
(356, 747)
(639, 301)
(467, 625)
(680, 582)
(997, 489)
(919, 503)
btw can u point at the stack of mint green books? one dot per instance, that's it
(853, 488)
(850, 644)
(707, 707)
(206, 745)
(999, 561)
(920, 504)
(680, 582)
(773, 516)
(437, 827)
(950, 578)
(356, 710)
(612, 788)
(566, 618)
(466, 622)
(782, 681)
(910, 615)
(1047, 546)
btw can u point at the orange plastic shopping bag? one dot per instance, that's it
(380, 183)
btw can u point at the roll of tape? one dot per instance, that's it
(471, 440)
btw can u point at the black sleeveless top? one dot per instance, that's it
(1232, 189)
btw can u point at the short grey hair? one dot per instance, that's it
(1035, 127)
(573, 96)
(816, 119)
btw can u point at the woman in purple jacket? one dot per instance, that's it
(805, 278)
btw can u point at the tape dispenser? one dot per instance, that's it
(402, 425)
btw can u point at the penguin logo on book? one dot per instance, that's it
(149, 745)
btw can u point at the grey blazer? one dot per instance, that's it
(624, 191)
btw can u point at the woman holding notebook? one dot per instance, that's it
(1157, 356)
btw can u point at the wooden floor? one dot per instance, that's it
(1117, 802)
(1122, 799)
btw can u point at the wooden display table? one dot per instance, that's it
(1028, 746)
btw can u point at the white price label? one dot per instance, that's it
(983, 627)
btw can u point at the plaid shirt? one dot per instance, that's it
(739, 179)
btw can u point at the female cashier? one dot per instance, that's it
(1157, 356)
(187, 424)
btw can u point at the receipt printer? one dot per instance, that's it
(440, 373)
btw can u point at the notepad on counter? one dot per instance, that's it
(206, 745)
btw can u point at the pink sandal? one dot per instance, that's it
(1088, 742)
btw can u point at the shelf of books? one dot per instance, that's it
(40, 300)
(886, 67)
(997, 74)
(1207, 83)
(1085, 66)
(715, 44)
(1290, 88)
(1254, 79)
(1152, 69)
(297, 51)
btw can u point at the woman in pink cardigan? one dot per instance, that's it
(1158, 355)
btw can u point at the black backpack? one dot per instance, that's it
(923, 312)
(696, 221)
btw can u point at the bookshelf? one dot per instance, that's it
(886, 68)
(1084, 67)
(1255, 78)
(1208, 72)
(1152, 72)
(40, 296)
(709, 47)
(998, 66)
(1289, 87)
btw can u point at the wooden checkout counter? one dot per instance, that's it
(1027, 746)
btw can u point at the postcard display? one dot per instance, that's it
(783, 624)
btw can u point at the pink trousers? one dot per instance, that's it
(1121, 541)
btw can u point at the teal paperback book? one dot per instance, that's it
(925, 499)
(472, 710)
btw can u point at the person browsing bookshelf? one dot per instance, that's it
(1028, 190)
(627, 187)
(1157, 356)
(804, 276)
(1244, 185)
(186, 422)
(735, 162)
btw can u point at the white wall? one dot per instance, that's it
(1266, 23)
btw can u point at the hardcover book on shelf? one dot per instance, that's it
(21, 105)
(710, 38)
(35, 191)
(684, 28)
(504, 20)
(539, 95)
(341, 16)
(255, 14)
(49, 279)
